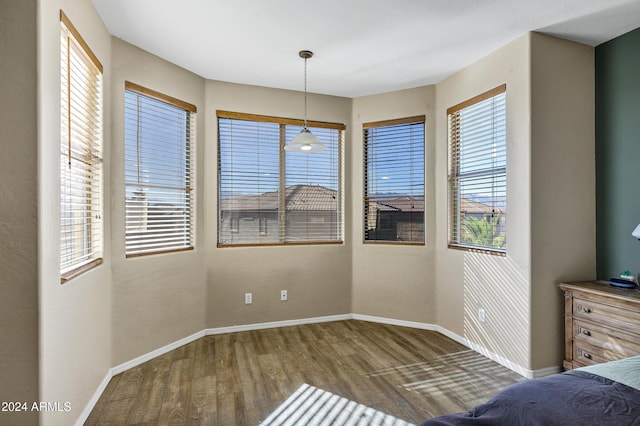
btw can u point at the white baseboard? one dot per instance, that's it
(155, 353)
(524, 372)
(275, 324)
(121, 368)
(530, 374)
(542, 372)
(391, 321)
(517, 368)
(94, 399)
(314, 320)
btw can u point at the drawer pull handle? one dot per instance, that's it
(586, 332)
(587, 355)
(586, 310)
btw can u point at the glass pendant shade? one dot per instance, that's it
(305, 141)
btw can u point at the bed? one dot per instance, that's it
(601, 394)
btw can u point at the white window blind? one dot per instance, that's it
(159, 170)
(313, 211)
(478, 173)
(270, 196)
(81, 242)
(394, 180)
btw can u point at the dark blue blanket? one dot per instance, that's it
(570, 398)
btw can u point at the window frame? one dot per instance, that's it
(189, 170)
(86, 118)
(454, 176)
(366, 127)
(284, 124)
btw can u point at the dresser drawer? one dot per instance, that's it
(620, 318)
(606, 337)
(588, 354)
(601, 322)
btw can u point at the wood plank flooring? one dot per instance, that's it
(240, 378)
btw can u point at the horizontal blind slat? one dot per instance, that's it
(159, 159)
(394, 182)
(477, 176)
(80, 154)
(253, 168)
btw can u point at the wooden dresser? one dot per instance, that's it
(601, 323)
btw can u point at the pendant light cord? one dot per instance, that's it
(305, 93)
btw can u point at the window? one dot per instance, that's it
(81, 242)
(159, 170)
(280, 197)
(478, 173)
(234, 223)
(394, 181)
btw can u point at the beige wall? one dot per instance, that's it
(128, 307)
(562, 184)
(393, 281)
(551, 202)
(469, 281)
(317, 277)
(157, 299)
(18, 209)
(160, 299)
(75, 318)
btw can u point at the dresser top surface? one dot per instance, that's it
(602, 288)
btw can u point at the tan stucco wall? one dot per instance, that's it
(562, 184)
(75, 318)
(469, 281)
(317, 277)
(67, 337)
(551, 202)
(18, 209)
(157, 299)
(390, 280)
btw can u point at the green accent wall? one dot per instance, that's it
(617, 154)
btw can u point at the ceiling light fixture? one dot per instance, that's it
(305, 141)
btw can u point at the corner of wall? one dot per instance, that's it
(392, 280)
(74, 318)
(562, 184)
(467, 282)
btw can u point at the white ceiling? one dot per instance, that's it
(361, 47)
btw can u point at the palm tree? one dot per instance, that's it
(482, 232)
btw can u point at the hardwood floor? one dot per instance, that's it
(240, 378)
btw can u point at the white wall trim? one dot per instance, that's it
(525, 372)
(275, 324)
(94, 399)
(155, 353)
(221, 330)
(542, 372)
(314, 320)
(391, 321)
(517, 368)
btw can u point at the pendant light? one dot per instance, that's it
(305, 141)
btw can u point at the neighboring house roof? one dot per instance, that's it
(307, 197)
(318, 198)
(403, 203)
(298, 198)
(469, 206)
(264, 201)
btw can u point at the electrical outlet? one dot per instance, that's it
(248, 298)
(283, 296)
(481, 315)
